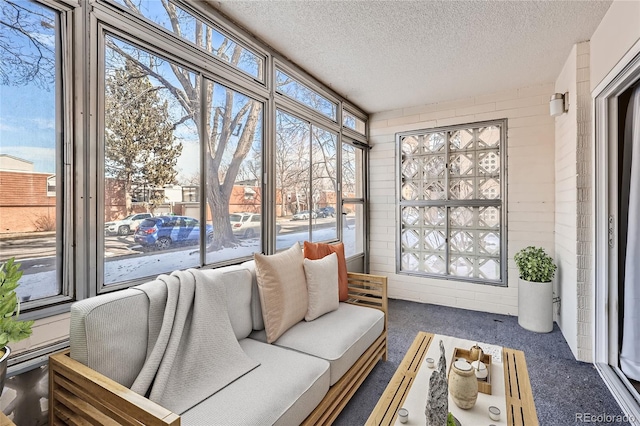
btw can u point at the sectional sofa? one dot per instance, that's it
(306, 376)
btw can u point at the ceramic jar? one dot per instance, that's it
(463, 385)
(475, 353)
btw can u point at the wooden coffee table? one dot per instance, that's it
(521, 410)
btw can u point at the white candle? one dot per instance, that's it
(494, 413)
(403, 415)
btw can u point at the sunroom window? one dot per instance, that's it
(34, 206)
(203, 34)
(451, 202)
(308, 97)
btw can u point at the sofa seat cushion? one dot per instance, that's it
(340, 336)
(283, 390)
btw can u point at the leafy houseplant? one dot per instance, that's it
(11, 330)
(535, 289)
(535, 265)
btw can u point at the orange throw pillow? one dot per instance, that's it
(315, 251)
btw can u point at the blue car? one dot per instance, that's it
(164, 231)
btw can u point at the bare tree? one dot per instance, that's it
(27, 50)
(292, 160)
(226, 148)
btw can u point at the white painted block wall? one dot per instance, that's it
(531, 190)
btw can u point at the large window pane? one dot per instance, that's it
(31, 182)
(185, 25)
(151, 150)
(324, 183)
(299, 92)
(352, 171)
(233, 173)
(353, 229)
(293, 213)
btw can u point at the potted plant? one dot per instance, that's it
(11, 330)
(535, 289)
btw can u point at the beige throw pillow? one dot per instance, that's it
(283, 290)
(322, 285)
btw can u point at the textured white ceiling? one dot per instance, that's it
(385, 55)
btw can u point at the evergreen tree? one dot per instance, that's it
(140, 147)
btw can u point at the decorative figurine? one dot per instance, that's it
(437, 408)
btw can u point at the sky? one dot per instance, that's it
(27, 112)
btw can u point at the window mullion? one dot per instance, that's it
(447, 251)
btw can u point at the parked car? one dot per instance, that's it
(247, 225)
(326, 212)
(164, 231)
(304, 215)
(127, 225)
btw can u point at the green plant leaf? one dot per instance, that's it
(11, 330)
(534, 264)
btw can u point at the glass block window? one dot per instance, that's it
(451, 195)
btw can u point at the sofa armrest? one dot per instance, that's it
(369, 290)
(80, 395)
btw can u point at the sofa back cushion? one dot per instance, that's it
(109, 333)
(238, 282)
(322, 286)
(316, 251)
(256, 307)
(283, 290)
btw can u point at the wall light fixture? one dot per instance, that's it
(559, 104)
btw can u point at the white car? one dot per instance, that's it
(127, 225)
(247, 225)
(304, 215)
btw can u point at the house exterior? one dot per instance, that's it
(28, 198)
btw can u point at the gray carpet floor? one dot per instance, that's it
(561, 385)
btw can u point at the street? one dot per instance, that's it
(37, 254)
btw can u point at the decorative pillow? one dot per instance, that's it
(316, 251)
(322, 285)
(283, 290)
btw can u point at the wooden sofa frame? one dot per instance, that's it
(79, 395)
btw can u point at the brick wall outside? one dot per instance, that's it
(24, 204)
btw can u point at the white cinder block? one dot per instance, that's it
(519, 103)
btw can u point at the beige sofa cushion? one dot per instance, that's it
(283, 390)
(110, 333)
(339, 337)
(283, 290)
(322, 285)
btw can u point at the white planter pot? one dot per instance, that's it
(535, 306)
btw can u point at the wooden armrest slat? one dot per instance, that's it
(371, 300)
(109, 392)
(69, 417)
(111, 412)
(367, 291)
(77, 405)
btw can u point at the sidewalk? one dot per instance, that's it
(26, 235)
